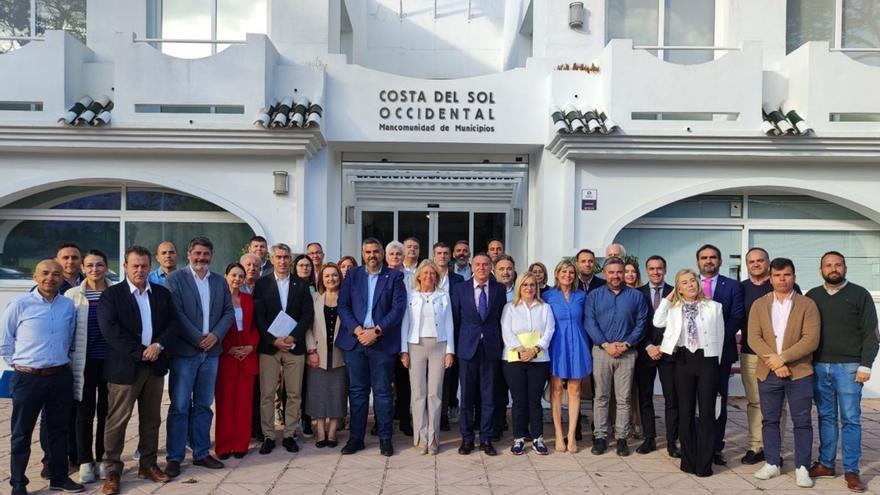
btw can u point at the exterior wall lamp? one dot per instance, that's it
(281, 182)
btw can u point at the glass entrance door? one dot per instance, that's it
(429, 227)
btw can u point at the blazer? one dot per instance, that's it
(595, 282)
(729, 293)
(186, 299)
(470, 328)
(454, 279)
(81, 336)
(389, 305)
(229, 367)
(316, 337)
(120, 320)
(409, 328)
(267, 305)
(653, 334)
(711, 327)
(800, 340)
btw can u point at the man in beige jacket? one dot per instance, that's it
(784, 332)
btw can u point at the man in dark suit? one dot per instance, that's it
(139, 323)
(372, 301)
(729, 293)
(442, 255)
(477, 305)
(650, 360)
(281, 355)
(205, 314)
(586, 264)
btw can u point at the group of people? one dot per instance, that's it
(303, 342)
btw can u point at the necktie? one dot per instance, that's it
(484, 302)
(707, 287)
(657, 291)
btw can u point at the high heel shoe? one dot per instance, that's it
(331, 443)
(572, 444)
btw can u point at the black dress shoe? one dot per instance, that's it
(444, 423)
(239, 455)
(406, 428)
(45, 472)
(267, 447)
(321, 444)
(19, 490)
(66, 485)
(386, 448)
(375, 429)
(208, 462)
(717, 459)
(673, 452)
(647, 446)
(753, 457)
(351, 447)
(488, 448)
(704, 474)
(622, 448)
(223, 457)
(599, 446)
(466, 447)
(289, 443)
(172, 469)
(331, 443)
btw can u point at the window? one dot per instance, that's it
(665, 23)
(32, 18)
(817, 20)
(203, 20)
(111, 217)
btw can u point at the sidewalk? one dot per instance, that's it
(316, 471)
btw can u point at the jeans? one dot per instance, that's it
(370, 368)
(773, 392)
(191, 386)
(834, 385)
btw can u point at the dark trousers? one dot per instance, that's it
(645, 374)
(773, 391)
(402, 393)
(477, 377)
(70, 449)
(723, 389)
(30, 395)
(93, 403)
(450, 388)
(500, 397)
(696, 381)
(526, 382)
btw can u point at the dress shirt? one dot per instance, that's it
(509, 294)
(464, 272)
(157, 277)
(656, 289)
(779, 314)
(283, 289)
(204, 288)
(610, 317)
(427, 325)
(372, 280)
(443, 284)
(143, 302)
(37, 333)
(523, 318)
(714, 283)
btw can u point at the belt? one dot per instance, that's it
(52, 370)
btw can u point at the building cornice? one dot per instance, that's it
(255, 142)
(624, 147)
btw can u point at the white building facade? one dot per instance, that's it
(435, 119)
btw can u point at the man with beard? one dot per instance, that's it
(585, 260)
(847, 348)
(461, 253)
(728, 292)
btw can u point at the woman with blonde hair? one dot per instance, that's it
(694, 335)
(570, 359)
(527, 327)
(427, 347)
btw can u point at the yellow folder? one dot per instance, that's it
(527, 339)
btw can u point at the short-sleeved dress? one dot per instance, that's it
(569, 349)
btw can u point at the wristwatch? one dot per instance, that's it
(378, 332)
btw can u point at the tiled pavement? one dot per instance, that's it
(315, 471)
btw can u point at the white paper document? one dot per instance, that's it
(282, 325)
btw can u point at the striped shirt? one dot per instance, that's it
(96, 346)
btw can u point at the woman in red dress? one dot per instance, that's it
(235, 377)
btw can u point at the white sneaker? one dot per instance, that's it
(802, 477)
(767, 471)
(102, 474)
(87, 473)
(136, 456)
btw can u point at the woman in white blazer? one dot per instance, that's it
(694, 335)
(87, 364)
(427, 347)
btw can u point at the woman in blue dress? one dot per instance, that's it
(569, 351)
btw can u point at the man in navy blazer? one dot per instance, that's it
(372, 301)
(477, 305)
(204, 314)
(729, 293)
(442, 255)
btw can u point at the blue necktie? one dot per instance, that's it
(484, 302)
